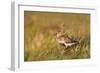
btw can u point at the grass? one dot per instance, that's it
(39, 40)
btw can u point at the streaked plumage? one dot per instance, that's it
(65, 40)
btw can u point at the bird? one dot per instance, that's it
(65, 40)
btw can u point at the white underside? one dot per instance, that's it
(66, 44)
